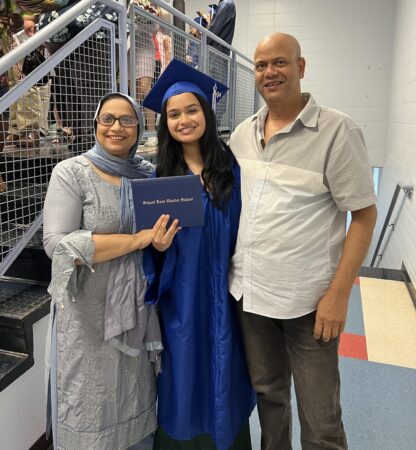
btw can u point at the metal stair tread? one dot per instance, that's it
(382, 273)
(22, 301)
(12, 365)
(9, 360)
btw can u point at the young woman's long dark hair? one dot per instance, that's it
(216, 156)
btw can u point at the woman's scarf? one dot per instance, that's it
(129, 325)
(132, 167)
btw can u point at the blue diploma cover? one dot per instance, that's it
(180, 197)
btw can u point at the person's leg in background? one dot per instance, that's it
(13, 134)
(32, 110)
(143, 87)
(19, 125)
(88, 77)
(145, 70)
(5, 47)
(44, 102)
(41, 105)
(24, 119)
(63, 92)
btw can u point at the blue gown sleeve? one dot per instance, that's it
(159, 269)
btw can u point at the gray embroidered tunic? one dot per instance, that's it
(105, 399)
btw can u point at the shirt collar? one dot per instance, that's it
(308, 116)
(310, 113)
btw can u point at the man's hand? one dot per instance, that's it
(331, 315)
(333, 306)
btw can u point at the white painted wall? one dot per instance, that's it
(23, 403)
(400, 164)
(347, 46)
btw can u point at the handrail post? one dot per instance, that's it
(233, 84)
(122, 54)
(203, 57)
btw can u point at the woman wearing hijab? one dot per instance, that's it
(103, 341)
(204, 393)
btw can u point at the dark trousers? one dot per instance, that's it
(277, 349)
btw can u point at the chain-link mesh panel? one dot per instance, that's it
(219, 69)
(78, 83)
(51, 121)
(244, 94)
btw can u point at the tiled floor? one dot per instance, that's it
(378, 362)
(378, 370)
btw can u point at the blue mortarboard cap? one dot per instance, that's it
(179, 78)
(201, 21)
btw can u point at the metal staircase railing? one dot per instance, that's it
(389, 223)
(98, 61)
(25, 171)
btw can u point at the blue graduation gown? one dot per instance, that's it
(204, 385)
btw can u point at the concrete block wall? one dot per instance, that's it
(400, 163)
(347, 46)
(23, 403)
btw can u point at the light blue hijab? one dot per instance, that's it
(132, 167)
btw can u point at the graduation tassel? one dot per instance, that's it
(214, 98)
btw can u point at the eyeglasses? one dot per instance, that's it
(125, 121)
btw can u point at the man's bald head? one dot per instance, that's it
(278, 40)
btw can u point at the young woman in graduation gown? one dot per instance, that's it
(204, 393)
